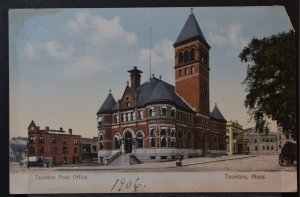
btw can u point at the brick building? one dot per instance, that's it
(54, 146)
(156, 121)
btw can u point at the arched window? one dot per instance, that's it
(101, 146)
(140, 140)
(163, 142)
(186, 56)
(117, 143)
(152, 137)
(180, 58)
(192, 54)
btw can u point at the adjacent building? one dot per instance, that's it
(55, 147)
(236, 143)
(156, 121)
(262, 143)
(17, 149)
(89, 150)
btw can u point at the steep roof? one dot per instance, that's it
(190, 30)
(108, 104)
(216, 114)
(156, 90)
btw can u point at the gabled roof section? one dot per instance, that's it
(108, 104)
(190, 30)
(32, 124)
(216, 114)
(156, 90)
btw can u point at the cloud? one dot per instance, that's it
(231, 35)
(88, 45)
(162, 54)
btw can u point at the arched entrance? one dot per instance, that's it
(128, 142)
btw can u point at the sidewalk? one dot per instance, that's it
(160, 165)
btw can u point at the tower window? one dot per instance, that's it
(192, 55)
(180, 58)
(163, 111)
(186, 56)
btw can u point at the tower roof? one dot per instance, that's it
(216, 114)
(108, 104)
(191, 30)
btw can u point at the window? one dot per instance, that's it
(141, 114)
(152, 137)
(163, 111)
(42, 140)
(42, 150)
(53, 150)
(152, 157)
(75, 141)
(186, 56)
(192, 70)
(189, 140)
(128, 117)
(117, 142)
(32, 140)
(53, 140)
(75, 150)
(101, 146)
(163, 131)
(180, 139)
(65, 150)
(65, 140)
(268, 148)
(100, 121)
(272, 147)
(173, 112)
(256, 148)
(186, 71)
(94, 148)
(151, 112)
(124, 118)
(263, 147)
(180, 58)
(192, 54)
(163, 143)
(65, 159)
(180, 73)
(140, 140)
(127, 101)
(32, 150)
(133, 116)
(255, 140)
(117, 118)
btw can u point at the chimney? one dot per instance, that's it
(47, 128)
(60, 129)
(135, 77)
(70, 131)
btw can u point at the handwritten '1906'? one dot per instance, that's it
(126, 184)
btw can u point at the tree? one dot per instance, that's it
(271, 81)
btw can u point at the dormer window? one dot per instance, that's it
(151, 112)
(100, 120)
(127, 99)
(164, 111)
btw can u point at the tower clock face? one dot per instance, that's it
(32, 128)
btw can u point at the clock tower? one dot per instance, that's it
(192, 66)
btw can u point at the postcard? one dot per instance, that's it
(142, 100)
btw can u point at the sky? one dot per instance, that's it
(63, 62)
